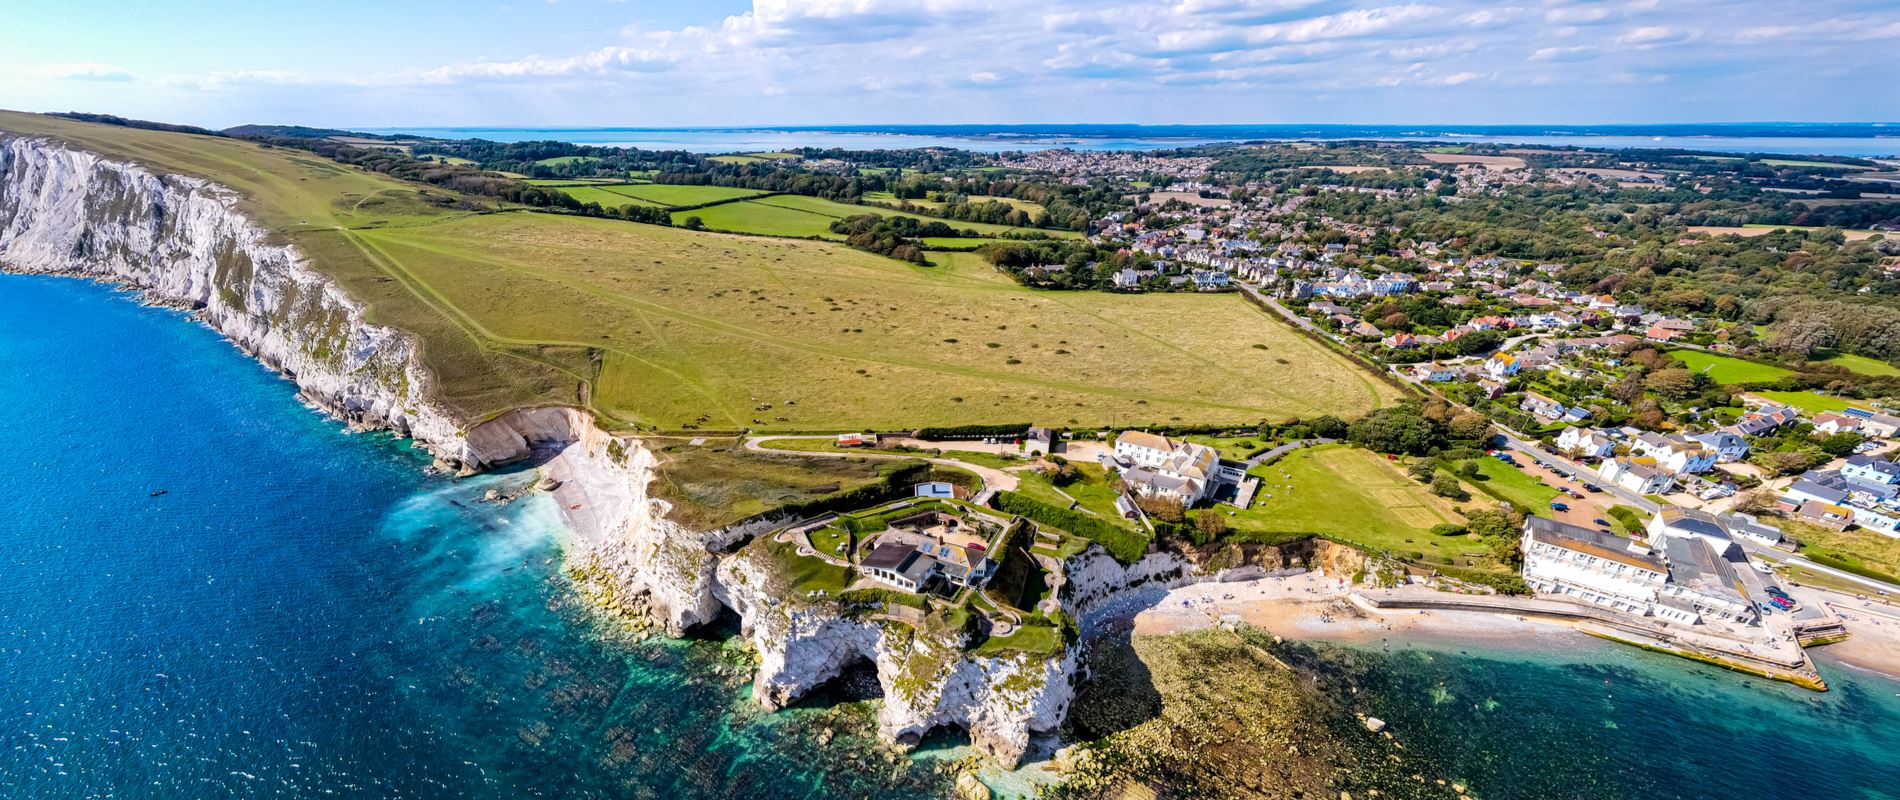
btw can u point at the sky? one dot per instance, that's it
(352, 63)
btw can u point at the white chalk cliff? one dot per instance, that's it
(183, 241)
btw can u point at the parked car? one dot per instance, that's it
(1556, 506)
(1766, 608)
(1763, 568)
(1600, 521)
(1592, 488)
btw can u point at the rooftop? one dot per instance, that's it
(1592, 542)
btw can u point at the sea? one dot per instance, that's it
(207, 590)
(1863, 140)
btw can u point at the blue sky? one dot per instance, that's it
(746, 62)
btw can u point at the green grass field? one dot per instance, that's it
(1354, 495)
(1728, 370)
(800, 216)
(606, 196)
(1232, 448)
(754, 158)
(663, 328)
(1095, 492)
(672, 195)
(1514, 485)
(1863, 365)
(1810, 402)
(558, 160)
(888, 199)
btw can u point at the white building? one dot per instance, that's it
(1868, 469)
(1594, 567)
(1729, 447)
(1501, 366)
(1586, 443)
(1677, 455)
(1637, 476)
(1152, 465)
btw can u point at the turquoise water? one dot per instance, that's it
(1574, 717)
(305, 613)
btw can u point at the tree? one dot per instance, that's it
(1166, 509)
(1445, 484)
(693, 223)
(1760, 501)
(1395, 429)
(1211, 524)
(1469, 424)
(1490, 523)
(1840, 444)
(1675, 384)
(1422, 470)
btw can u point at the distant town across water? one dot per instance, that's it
(1835, 139)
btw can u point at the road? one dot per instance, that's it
(994, 480)
(1284, 449)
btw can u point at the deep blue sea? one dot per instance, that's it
(1844, 139)
(306, 613)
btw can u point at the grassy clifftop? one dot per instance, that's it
(668, 329)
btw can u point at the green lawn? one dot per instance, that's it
(1810, 402)
(1039, 639)
(1232, 448)
(1863, 365)
(832, 541)
(1094, 491)
(1513, 485)
(1354, 495)
(982, 458)
(1728, 370)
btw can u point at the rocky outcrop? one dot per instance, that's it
(929, 676)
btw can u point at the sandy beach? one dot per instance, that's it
(1312, 606)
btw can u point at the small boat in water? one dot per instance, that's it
(159, 493)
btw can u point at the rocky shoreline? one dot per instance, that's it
(182, 242)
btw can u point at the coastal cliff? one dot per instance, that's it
(185, 242)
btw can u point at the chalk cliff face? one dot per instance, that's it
(183, 242)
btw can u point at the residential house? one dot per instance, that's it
(1400, 341)
(1871, 470)
(1586, 443)
(1501, 366)
(1728, 446)
(1641, 476)
(1764, 420)
(1433, 372)
(1873, 423)
(1039, 441)
(1826, 515)
(1541, 406)
(1674, 453)
(1828, 423)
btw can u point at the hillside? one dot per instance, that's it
(669, 329)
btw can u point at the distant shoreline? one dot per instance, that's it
(1858, 140)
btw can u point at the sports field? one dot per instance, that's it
(663, 328)
(1353, 494)
(1726, 369)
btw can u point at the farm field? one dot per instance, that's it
(1728, 370)
(558, 160)
(724, 332)
(606, 196)
(664, 329)
(886, 198)
(1784, 162)
(1863, 365)
(1758, 229)
(1809, 401)
(1488, 162)
(800, 216)
(673, 195)
(1351, 494)
(754, 158)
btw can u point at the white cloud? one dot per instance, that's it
(83, 71)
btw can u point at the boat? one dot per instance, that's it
(159, 493)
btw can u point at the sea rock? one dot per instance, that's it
(1374, 724)
(970, 788)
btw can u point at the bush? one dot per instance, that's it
(1449, 529)
(1125, 545)
(973, 431)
